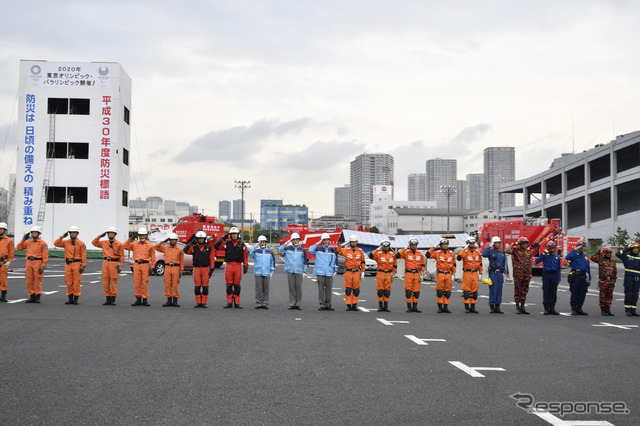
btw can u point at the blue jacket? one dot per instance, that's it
(295, 258)
(497, 258)
(579, 262)
(551, 263)
(631, 264)
(326, 260)
(264, 263)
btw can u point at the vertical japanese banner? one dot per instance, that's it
(104, 182)
(29, 152)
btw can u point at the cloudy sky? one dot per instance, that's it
(286, 93)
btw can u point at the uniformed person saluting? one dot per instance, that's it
(607, 276)
(581, 277)
(325, 267)
(550, 278)
(387, 268)
(353, 272)
(445, 269)
(631, 262)
(144, 257)
(204, 261)
(521, 258)
(413, 272)
(497, 262)
(7, 251)
(173, 268)
(471, 267)
(37, 254)
(112, 263)
(75, 259)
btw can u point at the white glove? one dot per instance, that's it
(7, 265)
(361, 276)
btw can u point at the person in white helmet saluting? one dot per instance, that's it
(7, 251)
(236, 258)
(113, 261)
(75, 259)
(387, 268)
(497, 264)
(173, 267)
(295, 264)
(204, 261)
(325, 267)
(413, 272)
(353, 271)
(37, 254)
(263, 266)
(144, 258)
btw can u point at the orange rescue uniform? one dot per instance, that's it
(173, 267)
(112, 255)
(144, 257)
(6, 255)
(353, 266)
(445, 270)
(37, 254)
(75, 257)
(471, 266)
(413, 272)
(387, 267)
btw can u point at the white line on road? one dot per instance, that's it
(473, 371)
(422, 342)
(385, 322)
(606, 324)
(365, 309)
(336, 293)
(16, 301)
(555, 421)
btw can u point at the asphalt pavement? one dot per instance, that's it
(94, 364)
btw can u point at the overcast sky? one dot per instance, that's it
(286, 93)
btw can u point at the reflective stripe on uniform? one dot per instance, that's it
(632, 270)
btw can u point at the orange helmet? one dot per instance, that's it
(606, 249)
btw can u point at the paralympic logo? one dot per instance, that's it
(526, 402)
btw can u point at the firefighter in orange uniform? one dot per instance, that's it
(471, 265)
(353, 271)
(75, 259)
(204, 260)
(6, 257)
(37, 254)
(445, 270)
(144, 257)
(113, 261)
(173, 268)
(413, 271)
(387, 268)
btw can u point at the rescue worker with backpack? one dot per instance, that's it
(144, 258)
(497, 265)
(325, 267)
(173, 268)
(387, 268)
(204, 260)
(264, 265)
(112, 263)
(607, 276)
(7, 251)
(471, 267)
(295, 265)
(631, 261)
(413, 272)
(521, 258)
(75, 259)
(445, 270)
(236, 258)
(354, 265)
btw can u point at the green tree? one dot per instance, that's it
(620, 238)
(400, 231)
(374, 229)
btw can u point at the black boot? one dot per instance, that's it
(386, 307)
(523, 310)
(574, 310)
(603, 311)
(228, 305)
(138, 301)
(440, 310)
(348, 307)
(175, 302)
(107, 302)
(547, 308)
(37, 299)
(169, 302)
(145, 302)
(70, 301)
(492, 309)
(380, 308)
(75, 300)
(518, 310)
(235, 305)
(415, 308)
(609, 312)
(473, 309)
(445, 309)
(580, 311)
(409, 307)
(3, 298)
(354, 307)
(634, 313)
(466, 308)
(113, 301)
(496, 309)
(552, 309)
(32, 299)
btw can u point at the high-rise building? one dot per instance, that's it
(442, 172)
(341, 201)
(367, 170)
(73, 148)
(238, 208)
(263, 211)
(499, 168)
(461, 187)
(474, 191)
(224, 210)
(417, 187)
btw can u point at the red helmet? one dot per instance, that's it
(581, 243)
(523, 240)
(633, 244)
(606, 249)
(551, 244)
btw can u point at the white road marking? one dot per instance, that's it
(93, 282)
(336, 293)
(473, 371)
(555, 421)
(623, 327)
(16, 301)
(422, 342)
(385, 322)
(365, 309)
(50, 292)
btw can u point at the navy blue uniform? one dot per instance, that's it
(497, 262)
(550, 277)
(631, 264)
(580, 267)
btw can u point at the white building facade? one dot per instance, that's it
(381, 210)
(73, 148)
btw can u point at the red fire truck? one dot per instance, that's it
(539, 232)
(188, 226)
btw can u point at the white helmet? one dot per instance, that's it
(295, 235)
(471, 241)
(74, 228)
(3, 225)
(353, 238)
(234, 230)
(413, 241)
(444, 241)
(385, 243)
(112, 229)
(262, 238)
(142, 231)
(201, 234)
(325, 236)
(36, 229)
(495, 239)
(173, 236)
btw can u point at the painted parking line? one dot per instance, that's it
(386, 322)
(621, 326)
(473, 371)
(422, 342)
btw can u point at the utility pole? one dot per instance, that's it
(242, 185)
(449, 191)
